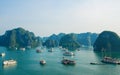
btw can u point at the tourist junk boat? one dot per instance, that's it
(42, 62)
(68, 62)
(67, 53)
(9, 62)
(109, 59)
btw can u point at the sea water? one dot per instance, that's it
(28, 63)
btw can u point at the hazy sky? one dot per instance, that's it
(45, 17)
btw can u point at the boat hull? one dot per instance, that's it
(9, 62)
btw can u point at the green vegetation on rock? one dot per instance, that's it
(107, 40)
(19, 37)
(69, 41)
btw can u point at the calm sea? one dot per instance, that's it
(28, 63)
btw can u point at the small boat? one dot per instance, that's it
(2, 54)
(93, 63)
(68, 62)
(50, 50)
(78, 49)
(38, 51)
(23, 49)
(110, 60)
(9, 62)
(29, 47)
(67, 53)
(64, 49)
(42, 62)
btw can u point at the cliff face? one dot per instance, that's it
(19, 38)
(87, 39)
(53, 40)
(107, 40)
(69, 41)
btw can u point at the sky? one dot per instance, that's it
(47, 17)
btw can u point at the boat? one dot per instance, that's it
(67, 53)
(96, 63)
(64, 49)
(23, 49)
(78, 49)
(50, 50)
(9, 62)
(110, 60)
(38, 51)
(42, 62)
(68, 62)
(2, 54)
(93, 63)
(29, 47)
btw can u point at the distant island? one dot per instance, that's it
(21, 38)
(107, 41)
(70, 41)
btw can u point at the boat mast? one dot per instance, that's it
(109, 48)
(103, 52)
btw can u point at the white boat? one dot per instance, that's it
(110, 60)
(50, 50)
(42, 62)
(9, 62)
(64, 49)
(67, 53)
(23, 49)
(2, 54)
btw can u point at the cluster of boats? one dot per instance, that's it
(108, 60)
(64, 61)
(40, 51)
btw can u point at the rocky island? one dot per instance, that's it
(19, 38)
(107, 40)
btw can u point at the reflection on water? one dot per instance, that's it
(9, 67)
(99, 55)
